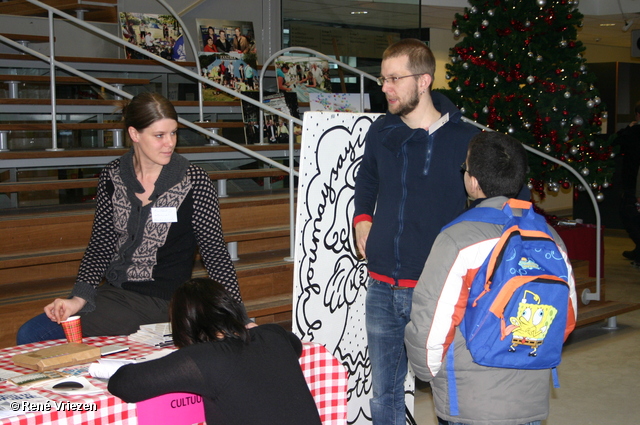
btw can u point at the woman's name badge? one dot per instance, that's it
(164, 215)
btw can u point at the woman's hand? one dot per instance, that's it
(61, 309)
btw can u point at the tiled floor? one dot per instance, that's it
(600, 370)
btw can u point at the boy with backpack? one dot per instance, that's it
(495, 301)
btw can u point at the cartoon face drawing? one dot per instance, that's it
(531, 325)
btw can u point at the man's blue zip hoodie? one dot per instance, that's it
(410, 185)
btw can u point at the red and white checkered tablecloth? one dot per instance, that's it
(325, 375)
(109, 409)
(328, 381)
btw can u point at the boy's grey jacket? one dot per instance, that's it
(487, 396)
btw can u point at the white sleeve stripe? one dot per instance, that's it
(470, 257)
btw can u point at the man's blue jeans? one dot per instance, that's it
(388, 311)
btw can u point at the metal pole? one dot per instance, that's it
(291, 195)
(52, 70)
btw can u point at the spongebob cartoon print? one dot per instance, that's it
(532, 324)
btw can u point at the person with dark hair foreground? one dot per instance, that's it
(153, 208)
(245, 376)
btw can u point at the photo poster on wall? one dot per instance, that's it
(228, 56)
(275, 128)
(330, 282)
(302, 75)
(158, 34)
(228, 71)
(234, 38)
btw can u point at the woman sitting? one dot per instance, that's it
(153, 209)
(245, 374)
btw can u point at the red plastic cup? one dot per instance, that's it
(72, 329)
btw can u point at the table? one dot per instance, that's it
(326, 377)
(109, 409)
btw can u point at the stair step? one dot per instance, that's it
(32, 38)
(103, 11)
(593, 313)
(35, 185)
(108, 152)
(63, 79)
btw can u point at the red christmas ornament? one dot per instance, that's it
(566, 185)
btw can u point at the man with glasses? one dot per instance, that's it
(408, 187)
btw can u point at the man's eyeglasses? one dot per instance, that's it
(393, 80)
(463, 167)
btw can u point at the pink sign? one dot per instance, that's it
(174, 409)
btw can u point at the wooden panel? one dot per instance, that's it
(68, 269)
(266, 285)
(13, 316)
(251, 217)
(263, 245)
(597, 312)
(38, 237)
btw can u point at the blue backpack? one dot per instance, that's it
(519, 310)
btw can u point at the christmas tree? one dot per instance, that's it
(518, 69)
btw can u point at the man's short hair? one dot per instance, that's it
(421, 59)
(498, 162)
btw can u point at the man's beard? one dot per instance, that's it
(408, 107)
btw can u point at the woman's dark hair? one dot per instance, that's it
(498, 162)
(145, 109)
(202, 310)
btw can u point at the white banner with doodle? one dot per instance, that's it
(329, 281)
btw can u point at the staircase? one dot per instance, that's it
(46, 197)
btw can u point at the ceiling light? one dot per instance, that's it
(363, 12)
(607, 25)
